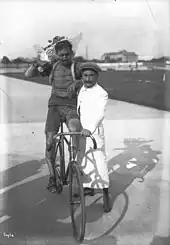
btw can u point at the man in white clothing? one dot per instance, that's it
(92, 101)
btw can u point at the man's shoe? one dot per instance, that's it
(52, 184)
(106, 201)
(88, 191)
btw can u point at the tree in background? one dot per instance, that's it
(5, 60)
(19, 60)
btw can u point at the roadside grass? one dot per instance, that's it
(145, 88)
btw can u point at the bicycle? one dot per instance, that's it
(68, 176)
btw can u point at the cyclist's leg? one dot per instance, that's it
(73, 125)
(52, 127)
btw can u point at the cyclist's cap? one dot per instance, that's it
(90, 66)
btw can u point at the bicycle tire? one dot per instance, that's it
(59, 166)
(75, 173)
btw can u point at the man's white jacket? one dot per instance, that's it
(91, 107)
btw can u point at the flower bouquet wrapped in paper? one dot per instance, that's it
(46, 56)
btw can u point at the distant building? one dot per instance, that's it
(121, 56)
(130, 57)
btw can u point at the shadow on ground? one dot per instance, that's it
(157, 240)
(136, 159)
(21, 172)
(35, 212)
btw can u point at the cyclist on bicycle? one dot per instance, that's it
(63, 100)
(92, 101)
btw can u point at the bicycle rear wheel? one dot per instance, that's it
(59, 167)
(77, 203)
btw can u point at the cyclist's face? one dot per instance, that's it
(89, 78)
(65, 56)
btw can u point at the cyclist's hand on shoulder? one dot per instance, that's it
(85, 132)
(40, 69)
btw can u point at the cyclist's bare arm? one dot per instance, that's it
(39, 68)
(31, 71)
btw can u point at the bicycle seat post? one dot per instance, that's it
(71, 148)
(71, 140)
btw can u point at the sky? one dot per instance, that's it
(140, 26)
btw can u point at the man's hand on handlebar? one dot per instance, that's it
(85, 132)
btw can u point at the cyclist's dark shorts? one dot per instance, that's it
(56, 114)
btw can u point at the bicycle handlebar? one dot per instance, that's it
(76, 133)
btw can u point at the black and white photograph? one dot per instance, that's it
(84, 122)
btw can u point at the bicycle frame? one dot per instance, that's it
(62, 138)
(67, 177)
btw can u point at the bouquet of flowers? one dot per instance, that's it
(46, 56)
(47, 53)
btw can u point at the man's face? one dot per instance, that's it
(65, 56)
(89, 78)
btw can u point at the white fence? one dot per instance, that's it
(123, 66)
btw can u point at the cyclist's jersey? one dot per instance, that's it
(61, 78)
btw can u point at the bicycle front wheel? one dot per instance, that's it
(77, 203)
